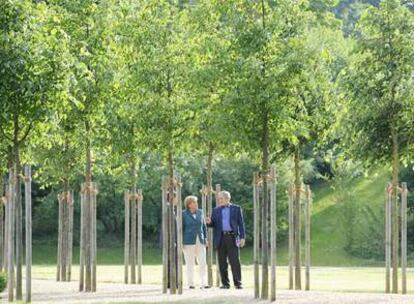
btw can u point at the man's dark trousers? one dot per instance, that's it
(228, 249)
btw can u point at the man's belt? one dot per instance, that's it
(228, 233)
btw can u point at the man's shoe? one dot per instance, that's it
(225, 287)
(191, 287)
(205, 287)
(239, 287)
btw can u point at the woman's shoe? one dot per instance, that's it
(205, 287)
(191, 287)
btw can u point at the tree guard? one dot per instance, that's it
(305, 201)
(394, 194)
(261, 241)
(87, 273)
(172, 242)
(133, 236)
(65, 236)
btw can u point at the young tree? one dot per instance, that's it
(159, 78)
(33, 56)
(253, 103)
(378, 95)
(89, 24)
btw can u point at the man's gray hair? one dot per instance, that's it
(225, 194)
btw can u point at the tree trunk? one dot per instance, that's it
(172, 247)
(19, 216)
(265, 205)
(395, 226)
(265, 171)
(208, 213)
(133, 206)
(297, 219)
(88, 201)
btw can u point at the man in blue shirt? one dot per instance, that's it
(228, 236)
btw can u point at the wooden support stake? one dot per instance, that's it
(273, 227)
(126, 237)
(64, 236)
(179, 217)
(291, 246)
(404, 192)
(139, 241)
(133, 250)
(28, 203)
(164, 236)
(82, 241)
(208, 213)
(256, 238)
(70, 249)
(218, 279)
(94, 248)
(2, 235)
(6, 228)
(307, 236)
(59, 244)
(11, 238)
(264, 216)
(388, 238)
(88, 241)
(297, 237)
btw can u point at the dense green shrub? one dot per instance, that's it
(3, 281)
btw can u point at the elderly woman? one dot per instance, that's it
(194, 241)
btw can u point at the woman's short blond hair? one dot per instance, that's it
(190, 199)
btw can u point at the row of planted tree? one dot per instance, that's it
(125, 78)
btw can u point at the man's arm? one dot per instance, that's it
(211, 221)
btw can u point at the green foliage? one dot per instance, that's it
(378, 84)
(3, 281)
(151, 86)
